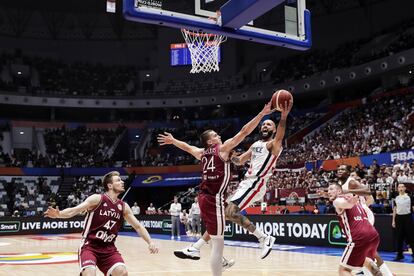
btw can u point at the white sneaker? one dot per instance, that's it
(227, 263)
(266, 244)
(188, 253)
(172, 237)
(179, 237)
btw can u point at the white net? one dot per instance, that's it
(204, 50)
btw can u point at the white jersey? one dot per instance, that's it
(262, 161)
(362, 201)
(345, 186)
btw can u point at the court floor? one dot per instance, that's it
(57, 255)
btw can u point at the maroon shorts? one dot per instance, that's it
(105, 258)
(356, 252)
(212, 213)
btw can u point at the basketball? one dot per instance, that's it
(280, 98)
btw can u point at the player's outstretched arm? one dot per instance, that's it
(168, 139)
(141, 230)
(89, 203)
(355, 187)
(345, 202)
(246, 130)
(276, 144)
(241, 159)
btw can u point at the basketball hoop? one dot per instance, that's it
(204, 50)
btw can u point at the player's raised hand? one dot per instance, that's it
(153, 248)
(52, 212)
(287, 107)
(165, 139)
(267, 109)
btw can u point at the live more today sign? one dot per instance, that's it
(39, 225)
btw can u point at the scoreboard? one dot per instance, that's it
(180, 54)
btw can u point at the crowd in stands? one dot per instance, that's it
(67, 147)
(47, 76)
(374, 127)
(28, 195)
(80, 147)
(82, 188)
(169, 155)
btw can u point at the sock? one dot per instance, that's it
(199, 244)
(385, 270)
(259, 234)
(216, 257)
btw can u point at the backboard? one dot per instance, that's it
(275, 22)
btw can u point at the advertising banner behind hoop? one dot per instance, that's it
(40, 225)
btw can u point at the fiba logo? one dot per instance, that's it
(337, 232)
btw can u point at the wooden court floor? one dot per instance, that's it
(56, 255)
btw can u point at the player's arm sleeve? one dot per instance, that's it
(89, 203)
(132, 220)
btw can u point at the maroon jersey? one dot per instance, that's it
(103, 223)
(216, 172)
(356, 225)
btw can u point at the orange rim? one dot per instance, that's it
(197, 34)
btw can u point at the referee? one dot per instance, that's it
(402, 221)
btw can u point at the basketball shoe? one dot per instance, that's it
(188, 253)
(266, 243)
(227, 263)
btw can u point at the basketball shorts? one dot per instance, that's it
(249, 191)
(356, 252)
(105, 258)
(212, 213)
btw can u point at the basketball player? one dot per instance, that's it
(363, 238)
(215, 160)
(263, 155)
(102, 223)
(346, 179)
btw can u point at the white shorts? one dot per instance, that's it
(249, 191)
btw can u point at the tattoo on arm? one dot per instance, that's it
(235, 160)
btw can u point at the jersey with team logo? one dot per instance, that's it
(104, 222)
(356, 225)
(262, 161)
(216, 171)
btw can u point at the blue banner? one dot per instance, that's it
(382, 158)
(165, 180)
